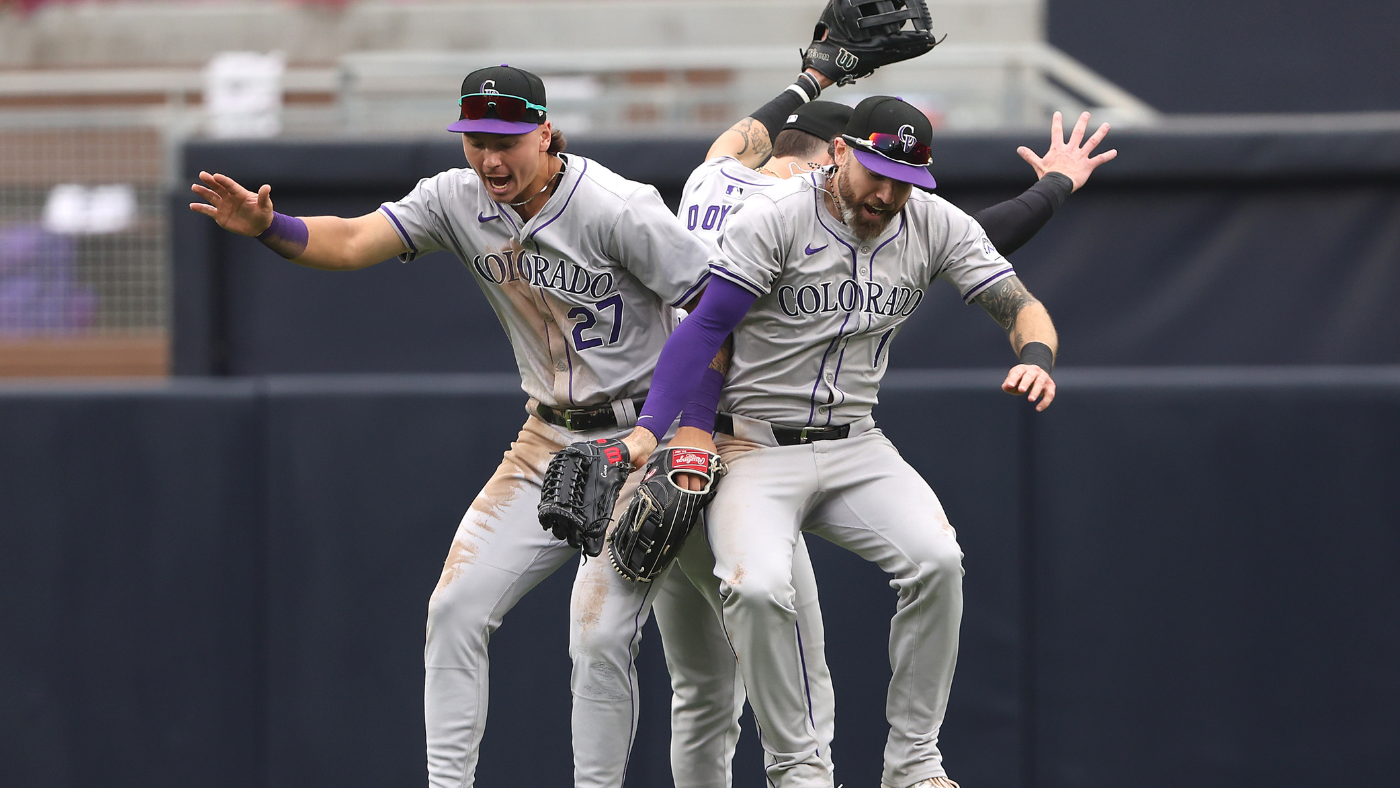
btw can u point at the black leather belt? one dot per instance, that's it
(789, 436)
(585, 419)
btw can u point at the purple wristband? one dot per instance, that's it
(287, 236)
(700, 411)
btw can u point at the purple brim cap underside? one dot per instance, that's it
(493, 126)
(909, 173)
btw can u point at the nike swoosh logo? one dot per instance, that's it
(810, 250)
(483, 218)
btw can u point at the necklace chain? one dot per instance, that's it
(546, 185)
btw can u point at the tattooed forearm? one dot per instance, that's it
(1004, 301)
(755, 134)
(720, 363)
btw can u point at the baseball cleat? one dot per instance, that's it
(932, 782)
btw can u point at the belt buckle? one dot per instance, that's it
(802, 436)
(568, 419)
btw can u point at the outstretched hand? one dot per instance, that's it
(1070, 158)
(1033, 381)
(234, 208)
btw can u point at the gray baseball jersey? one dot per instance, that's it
(812, 350)
(585, 289)
(712, 191)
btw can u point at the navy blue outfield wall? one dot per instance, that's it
(1240, 56)
(1193, 248)
(1172, 574)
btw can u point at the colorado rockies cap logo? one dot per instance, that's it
(489, 87)
(845, 60)
(907, 138)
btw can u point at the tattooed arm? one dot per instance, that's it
(751, 139)
(746, 141)
(1025, 321)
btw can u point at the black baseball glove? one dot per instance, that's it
(650, 533)
(580, 489)
(862, 35)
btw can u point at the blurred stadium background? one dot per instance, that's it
(218, 529)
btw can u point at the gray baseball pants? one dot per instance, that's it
(858, 493)
(499, 553)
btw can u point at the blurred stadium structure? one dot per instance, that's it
(97, 99)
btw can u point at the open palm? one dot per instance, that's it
(234, 208)
(1070, 158)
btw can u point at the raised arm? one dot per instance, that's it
(1062, 170)
(1032, 336)
(751, 139)
(326, 242)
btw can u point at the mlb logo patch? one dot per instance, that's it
(690, 460)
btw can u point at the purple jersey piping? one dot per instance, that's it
(806, 682)
(971, 294)
(402, 232)
(705, 277)
(631, 690)
(566, 200)
(738, 279)
(870, 322)
(741, 180)
(812, 411)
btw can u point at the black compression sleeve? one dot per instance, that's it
(1010, 224)
(774, 114)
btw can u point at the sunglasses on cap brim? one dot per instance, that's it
(894, 148)
(511, 109)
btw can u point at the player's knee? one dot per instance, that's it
(939, 562)
(759, 589)
(455, 612)
(601, 679)
(593, 645)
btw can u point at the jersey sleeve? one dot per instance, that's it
(649, 241)
(970, 262)
(420, 217)
(749, 252)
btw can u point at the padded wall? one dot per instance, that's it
(1171, 572)
(1192, 248)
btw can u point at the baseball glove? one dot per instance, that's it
(650, 533)
(580, 489)
(862, 35)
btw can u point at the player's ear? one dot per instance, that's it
(839, 151)
(546, 132)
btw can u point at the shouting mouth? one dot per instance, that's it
(497, 186)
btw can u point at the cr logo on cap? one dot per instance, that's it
(906, 136)
(489, 87)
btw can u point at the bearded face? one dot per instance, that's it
(867, 202)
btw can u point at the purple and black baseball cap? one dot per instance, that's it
(501, 100)
(892, 138)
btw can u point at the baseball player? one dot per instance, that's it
(814, 277)
(743, 162)
(584, 270)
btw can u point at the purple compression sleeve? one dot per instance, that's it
(689, 351)
(287, 236)
(700, 411)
